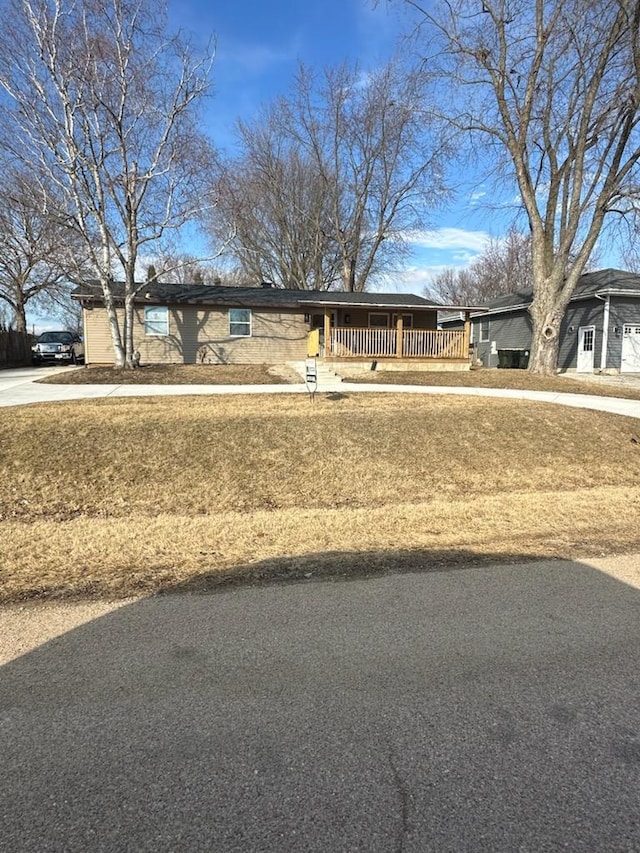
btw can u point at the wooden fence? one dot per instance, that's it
(15, 348)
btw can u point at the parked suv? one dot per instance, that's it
(59, 347)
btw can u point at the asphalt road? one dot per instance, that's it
(481, 709)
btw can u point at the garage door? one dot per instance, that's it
(630, 350)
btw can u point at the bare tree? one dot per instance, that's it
(453, 286)
(503, 267)
(374, 141)
(552, 86)
(631, 237)
(102, 109)
(175, 267)
(274, 197)
(37, 253)
(333, 177)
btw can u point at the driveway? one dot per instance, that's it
(14, 378)
(19, 388)
(485, 709)
(613, 380)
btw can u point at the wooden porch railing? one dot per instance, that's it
(443, 343)
(349, 342)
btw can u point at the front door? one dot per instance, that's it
(586, 349)
(630, 362)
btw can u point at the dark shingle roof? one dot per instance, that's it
(258, 297)
(598, 283)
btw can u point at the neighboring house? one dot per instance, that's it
(600, 330)
(191, 324)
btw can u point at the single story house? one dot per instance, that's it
(193, 323)
(600, 330)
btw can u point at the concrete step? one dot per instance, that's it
(325, 375)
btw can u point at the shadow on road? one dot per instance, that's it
(345, 566)
(490, 709)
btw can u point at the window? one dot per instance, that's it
(587, 340)
(407, 321)
(240, 322)
(156, 320)
(484, 330)
(378, 320)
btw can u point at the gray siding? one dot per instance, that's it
(512, 330)
(622, 311)
(506, 331)
(589, 312)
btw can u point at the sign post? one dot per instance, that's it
(311, 377)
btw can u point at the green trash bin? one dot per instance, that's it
(504, 358)
(513, 359)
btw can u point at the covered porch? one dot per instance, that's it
(400, 342)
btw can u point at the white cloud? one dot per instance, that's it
(445, 239)
(412, 279)
(255, 58)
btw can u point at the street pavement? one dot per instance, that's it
(491, 708)
(18, 387)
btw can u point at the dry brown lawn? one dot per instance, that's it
(518, 380)
(113, 497)
(177, 374)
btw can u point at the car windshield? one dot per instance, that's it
(55, 338)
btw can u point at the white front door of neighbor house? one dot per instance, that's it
(586, 349)
(630, 362)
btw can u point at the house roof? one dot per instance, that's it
(262, 297)
(598, 283)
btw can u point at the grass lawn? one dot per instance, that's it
(177, 374)
(520, 380)
(117, 497)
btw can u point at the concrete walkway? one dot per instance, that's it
(18, 387)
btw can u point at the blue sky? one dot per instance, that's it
(258, 48)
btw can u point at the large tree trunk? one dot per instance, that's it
(545, 343)
(20, 316)
(552, 294)
(547, 311)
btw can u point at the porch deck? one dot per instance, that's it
(349, 343)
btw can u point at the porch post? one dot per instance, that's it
(467, 333)
(399, 336)
(327, 333)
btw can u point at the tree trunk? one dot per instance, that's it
(128, 332)
(114, 328)
(547, 312)
(20, 316)
(349, 274)
(544, 348)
